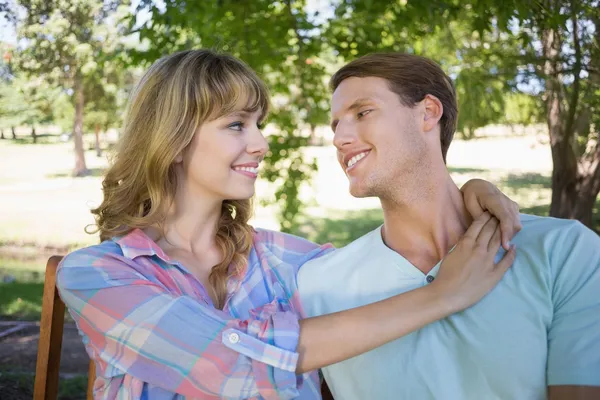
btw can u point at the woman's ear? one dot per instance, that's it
(179, 158)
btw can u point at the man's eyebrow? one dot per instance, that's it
(356, 104)
(359, 103)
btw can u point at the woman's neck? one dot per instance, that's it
(191, 222)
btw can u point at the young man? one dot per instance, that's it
(394, 116)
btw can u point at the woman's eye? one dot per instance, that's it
(363, 113)
(236, 126)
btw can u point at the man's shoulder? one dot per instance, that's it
(537, 221)
(343, 257)
(549, 230)
(561, 244)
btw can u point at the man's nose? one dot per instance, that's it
(344, 135)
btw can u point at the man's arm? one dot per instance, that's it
(573, 370)
(574, 392)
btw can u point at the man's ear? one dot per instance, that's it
(433, 112)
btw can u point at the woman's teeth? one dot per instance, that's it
(247, 169)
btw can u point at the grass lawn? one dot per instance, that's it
(18, 385)
(22, 301)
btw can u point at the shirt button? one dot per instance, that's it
(234, 338)
(430, 278)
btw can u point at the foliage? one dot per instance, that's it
(522, 109)
(13, 104)
(73, 45)
(23, 101)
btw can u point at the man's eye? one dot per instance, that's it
(363, 113)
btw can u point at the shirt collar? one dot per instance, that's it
(136, 244)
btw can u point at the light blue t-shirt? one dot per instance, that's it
(540, 326)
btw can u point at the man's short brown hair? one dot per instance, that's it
(411, 77)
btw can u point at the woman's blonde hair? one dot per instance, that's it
(172, 100)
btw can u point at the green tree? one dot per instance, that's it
(559, 53)
(12, 102)
(25, 102)
(39, 97)
(12, 105)
(107, 99)
(523, 109)
(68, 43)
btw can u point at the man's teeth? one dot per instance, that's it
(248, 169)
(357, 158)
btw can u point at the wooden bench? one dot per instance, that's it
(50, 343)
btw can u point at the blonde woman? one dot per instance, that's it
(183, 297)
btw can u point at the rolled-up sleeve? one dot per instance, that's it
(174, 341)
(270, 342)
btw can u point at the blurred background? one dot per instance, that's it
(527, 75)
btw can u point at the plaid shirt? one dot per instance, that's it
(153, 332)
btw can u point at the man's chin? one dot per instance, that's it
(358, 192)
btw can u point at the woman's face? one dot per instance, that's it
(223, 158)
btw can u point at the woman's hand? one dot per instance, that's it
(468, 273)
(480, 196)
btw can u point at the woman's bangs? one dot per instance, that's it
(239, 93)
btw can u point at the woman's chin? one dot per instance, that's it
(242, 196)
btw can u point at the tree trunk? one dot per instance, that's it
(12, 130)
(33, 135)
(97, 134)
(2, 134)
(80, 167)
(468, 133)
(575, 180)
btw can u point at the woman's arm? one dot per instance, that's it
(480, 196)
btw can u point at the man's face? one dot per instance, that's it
(379, 141)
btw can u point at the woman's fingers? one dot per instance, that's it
(486, 233)
(507, 260)
(474, 230)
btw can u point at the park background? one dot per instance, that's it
(527, 75)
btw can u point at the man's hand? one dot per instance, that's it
(481, 196)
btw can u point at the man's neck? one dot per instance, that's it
(425, 225)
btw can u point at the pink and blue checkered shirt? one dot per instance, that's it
(153, 332)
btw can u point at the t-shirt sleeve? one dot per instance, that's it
(574, 334)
